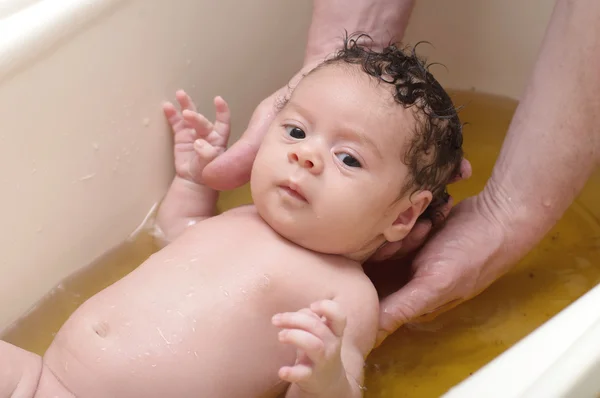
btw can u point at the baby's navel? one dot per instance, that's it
(101, 328)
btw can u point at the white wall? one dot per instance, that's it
(489, 45)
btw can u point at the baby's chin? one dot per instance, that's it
(303, 235)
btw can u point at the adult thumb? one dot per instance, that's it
(420, 297)
(232, 169)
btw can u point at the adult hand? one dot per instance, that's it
(460, 260)
(529, 189)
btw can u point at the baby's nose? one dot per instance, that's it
(306, 159)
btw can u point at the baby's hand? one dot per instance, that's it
(197, 141)
(317, 335)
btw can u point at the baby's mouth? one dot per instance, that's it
(294, 191)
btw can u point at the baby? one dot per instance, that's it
(270, 299)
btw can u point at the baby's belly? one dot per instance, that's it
(182, 324)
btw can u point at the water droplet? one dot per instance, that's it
(87, 177)
(146, 121)
(189, 62)
(33, 171)
(266, 281)
(95, 146)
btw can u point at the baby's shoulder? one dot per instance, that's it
(360, 302)
(242, 209)
(357, 293)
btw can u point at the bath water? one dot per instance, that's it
(425, 359)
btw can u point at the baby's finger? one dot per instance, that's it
(205, 151)
(309, 312)
(198, 122)
(295, 374)
(312, 346)
(333, 313)
(173, 116)
(222, 119)
(307, 321)
(185, 101)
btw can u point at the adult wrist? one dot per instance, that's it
(516, 225)
(383, 20)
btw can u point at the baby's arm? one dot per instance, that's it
(331, 354)
(196, 143)
(20, 371)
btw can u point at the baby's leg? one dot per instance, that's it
(50, 387)
(22, 375)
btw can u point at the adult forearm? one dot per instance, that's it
(20, 371)
(383, 20)
(552, 145)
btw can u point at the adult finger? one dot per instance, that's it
(232, 169)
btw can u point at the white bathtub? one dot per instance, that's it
(85, 152)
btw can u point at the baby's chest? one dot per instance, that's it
(245, 255)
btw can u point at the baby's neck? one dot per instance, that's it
(361, 256)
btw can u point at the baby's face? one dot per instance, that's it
(329, 172)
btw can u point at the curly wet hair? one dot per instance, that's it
(435, 152)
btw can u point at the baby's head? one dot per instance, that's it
(364, 145)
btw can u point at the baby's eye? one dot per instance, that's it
(295, 132)
(348, 160)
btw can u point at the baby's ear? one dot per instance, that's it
(406, 217)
